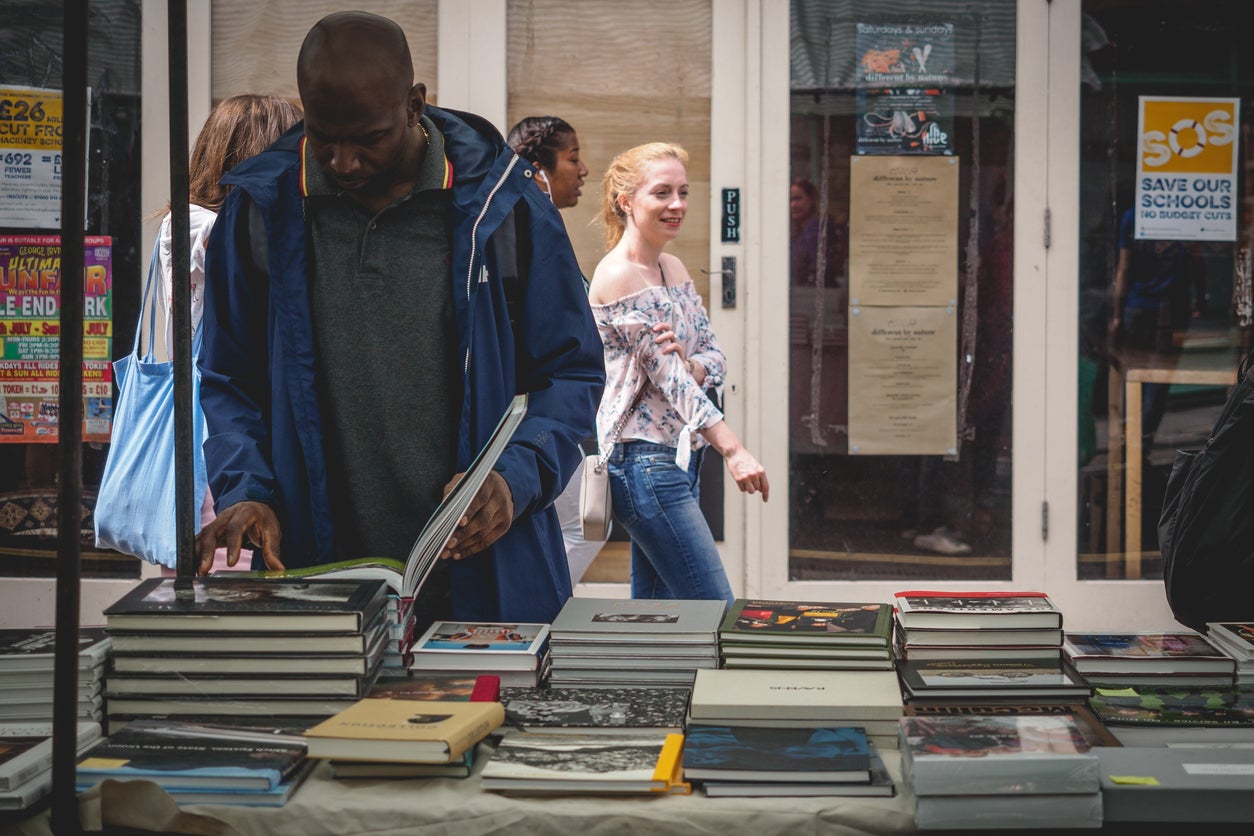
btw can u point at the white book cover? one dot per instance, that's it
(796, 694)
(630, 619)
(468, 644)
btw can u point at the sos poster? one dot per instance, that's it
(1186, 174)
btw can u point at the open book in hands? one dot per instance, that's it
(407, 578)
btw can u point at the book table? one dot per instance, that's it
(324, 805)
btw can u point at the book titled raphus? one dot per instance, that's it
(404, 731)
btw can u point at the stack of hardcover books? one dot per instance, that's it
(1235, 639)
(27, 659)
(977, 625)
(1000, 772)
(869, 700)
(1179, 715)
(798, 634)
(26, 761)
(601, 764)
(759, 761)
(200, 764)
(1111, 659)
(227, 648)
(516, 653)
(616, 642)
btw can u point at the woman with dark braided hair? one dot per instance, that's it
(550, 144)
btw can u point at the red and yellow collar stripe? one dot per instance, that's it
(445, 183)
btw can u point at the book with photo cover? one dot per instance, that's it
(750, 753)
(881, 785)
(1007, 680)
(26, 749)
(994, 754)
(806, 622)
(250, 605)
(1176, 705)
(975, 610)
(32, 649)
(406, 578)
(1130, 653)
(491, 645)
(533, 762)
(188, 761)
(1095, 733)
(648, 710)
(406, 731)
(661, 621)
(834, 697)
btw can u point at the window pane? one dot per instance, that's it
(927, 80)
(1165, 247)
(31, 43)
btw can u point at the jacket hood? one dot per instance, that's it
(471, 143)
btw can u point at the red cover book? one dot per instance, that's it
(487, 688)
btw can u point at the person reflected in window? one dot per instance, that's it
(655, 419)
(1157, 286)
(806, 232)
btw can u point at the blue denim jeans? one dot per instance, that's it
(672, 550)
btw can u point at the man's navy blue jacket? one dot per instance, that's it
(258, 375)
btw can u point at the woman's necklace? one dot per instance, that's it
(644, 275)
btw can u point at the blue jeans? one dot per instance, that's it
(672, 550)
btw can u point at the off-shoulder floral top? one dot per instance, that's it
(672, 405)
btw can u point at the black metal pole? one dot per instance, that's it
(70, 417)
(180, 252)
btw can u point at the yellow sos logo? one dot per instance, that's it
(1188, 135)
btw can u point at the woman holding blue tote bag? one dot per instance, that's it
(135, 507)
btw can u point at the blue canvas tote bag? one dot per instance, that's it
(135, 505)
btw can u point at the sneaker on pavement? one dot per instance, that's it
(941, 541)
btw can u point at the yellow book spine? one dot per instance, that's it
(670, 767)
(458, 747)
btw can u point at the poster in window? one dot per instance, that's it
(30, 329)
(903, 381)
(903, 78)
(1186, 169)
(30, 157)
(903, 230)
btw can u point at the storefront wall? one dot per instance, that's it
(1015, 175)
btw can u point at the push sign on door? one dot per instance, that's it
(731, 216)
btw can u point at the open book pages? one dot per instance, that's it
(439, 528)
(406, 578)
